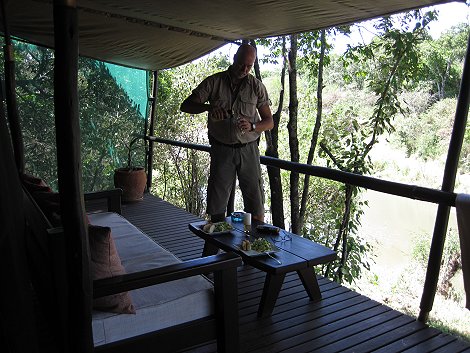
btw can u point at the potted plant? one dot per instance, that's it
(131, 179)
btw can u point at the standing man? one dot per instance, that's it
(238, 112)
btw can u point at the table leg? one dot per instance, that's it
(271, 289)
(209, 249)
(309, 280)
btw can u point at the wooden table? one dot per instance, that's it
(298, 254)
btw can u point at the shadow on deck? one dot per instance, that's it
(343, 320)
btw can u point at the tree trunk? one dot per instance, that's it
(316, 129)
(453, 264)
(272, 138)
(72, 208)
(344, 229)
(292, 130)
(342, 236)
(256, 66)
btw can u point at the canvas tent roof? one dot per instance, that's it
(157, 34)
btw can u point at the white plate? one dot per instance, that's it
(216, 233)
(273, 250)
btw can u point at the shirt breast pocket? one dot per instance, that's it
(248, 105)
(219, 102)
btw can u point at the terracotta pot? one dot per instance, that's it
(132, 181)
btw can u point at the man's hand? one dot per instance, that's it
(217, 113)
(193, 105)
(243, 124)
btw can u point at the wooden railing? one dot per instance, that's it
(388, 187)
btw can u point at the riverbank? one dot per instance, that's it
(400, 231)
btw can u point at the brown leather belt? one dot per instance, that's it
(213, 141)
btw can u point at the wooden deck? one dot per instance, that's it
(343, 320)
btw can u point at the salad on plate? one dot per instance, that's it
(217, 227)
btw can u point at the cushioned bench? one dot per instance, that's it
(176, 306)
(159, 306)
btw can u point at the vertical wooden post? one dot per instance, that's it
(18, 332)
(226, 310)
(69, 173)
(153, 114)
(10, 92)
(448, 182)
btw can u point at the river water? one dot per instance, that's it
(391, 223)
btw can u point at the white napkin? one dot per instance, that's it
(462, 206)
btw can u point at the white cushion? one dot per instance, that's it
(158, 306)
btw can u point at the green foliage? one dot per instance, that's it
(107, 117)
(443, 61)
(449, 273)
(309, 47)
(324, 209)
(35, 97)
(274, 46)
(465, 153)
(422, 244)
(386, 66)
(347, 132)
(323, 219)
(135, 144)
(358, 259)
(108, 122)
(428, 134)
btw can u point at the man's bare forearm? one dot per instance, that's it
(265, 124)
(192, 107)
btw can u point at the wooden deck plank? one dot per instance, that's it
(343, 320)
(391, 336)
(288, 319)
(282, 331)
(431, 342)
(292, 303)
(456, 346)
(322, 337)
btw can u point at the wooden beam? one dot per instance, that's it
(153, 114)
(448, 183)
(80, 337)
(18, 332)
(226, 310)
(388, 187)
(10, 94)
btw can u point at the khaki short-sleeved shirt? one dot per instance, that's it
(216, 90)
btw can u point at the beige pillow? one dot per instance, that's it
(105, 262)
